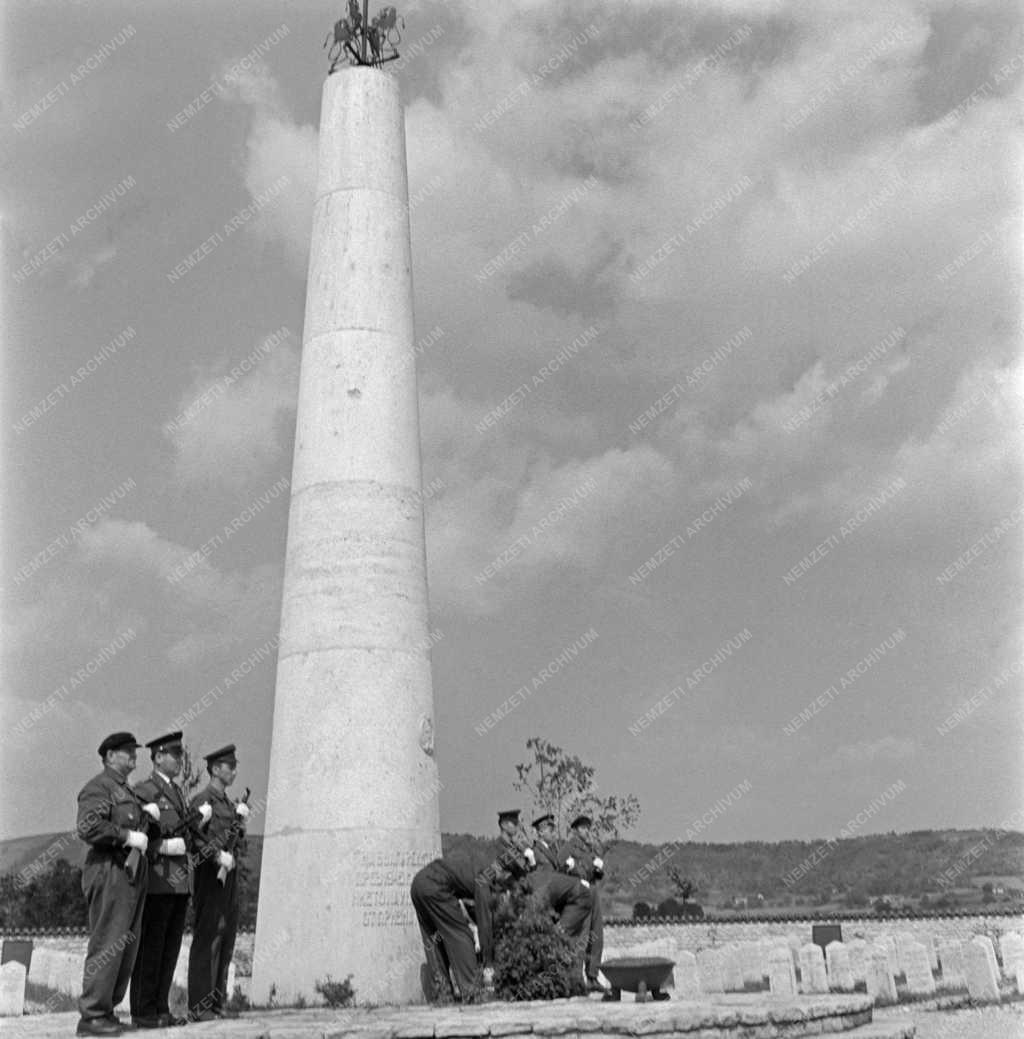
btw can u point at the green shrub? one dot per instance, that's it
(533, 957)
(336, 993)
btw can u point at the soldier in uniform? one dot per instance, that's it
(170, 884)
(589, 866)
(114, 823)
(216, 902)
(569, 896)
(436, 892)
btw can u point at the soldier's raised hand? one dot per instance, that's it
(152, 810)
(205, 814)
(242, 810)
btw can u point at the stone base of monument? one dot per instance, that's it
(729, 1015)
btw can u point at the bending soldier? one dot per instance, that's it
(436, 892)
(113, 822)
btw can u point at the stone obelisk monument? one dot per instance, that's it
(352, 801)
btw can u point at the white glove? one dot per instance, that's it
(585, 883)
(242, 810)
(226, 859)
(152, 810)
(488, 977)
(205, 814)
(598, 863)
(570, 862)
(172, 846)
(529, 856)
(136, 839)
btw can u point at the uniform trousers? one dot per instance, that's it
(163, 924)
(595, 939)
(447, 940)
(568, 897)
(115, 919)
(213, 938)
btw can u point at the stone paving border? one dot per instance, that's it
(731, 1014)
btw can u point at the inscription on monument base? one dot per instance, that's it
(380, 887)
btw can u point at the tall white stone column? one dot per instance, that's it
(352, 800)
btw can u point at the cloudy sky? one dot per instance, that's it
(776, 249)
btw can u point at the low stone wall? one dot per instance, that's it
(693, 937)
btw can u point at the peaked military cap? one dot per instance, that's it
(510, 813)
(581, 820)
(223, 754)
(172, 741)
(118, 741)
(541, 820)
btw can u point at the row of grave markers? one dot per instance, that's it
(839, 968)
(60, 971)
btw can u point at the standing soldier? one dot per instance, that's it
(569, 896)
(113, 822)
(589, 866)
(216, 890)
(170, 884)
(437, 891)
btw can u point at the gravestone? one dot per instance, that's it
(813, 978)
(858, 950)
(709, 969)
(928, 941)
(982, 977)
(881, 982)
(840, 973)
(888, 949)
(687, 976)
(67, 975)
(751, 963)
(1012, 948)
(918, 969)
(903, 939)
(39, 972)
(12, 988)
(951, 960)
(732, 970)
(781, 976)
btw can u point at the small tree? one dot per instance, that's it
(560, 783)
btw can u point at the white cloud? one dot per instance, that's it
(233, 422)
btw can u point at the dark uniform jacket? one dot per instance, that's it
(584, 856)
(107, 810)
(214, 837)
(168, 874)
(550, 858)
(469, 868)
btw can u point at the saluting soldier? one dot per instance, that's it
(170, 884)
(569, 896)
(216, 901)
(436, 892)
(589, 866)
(114, 823)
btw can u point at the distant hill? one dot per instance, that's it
(855, 872)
